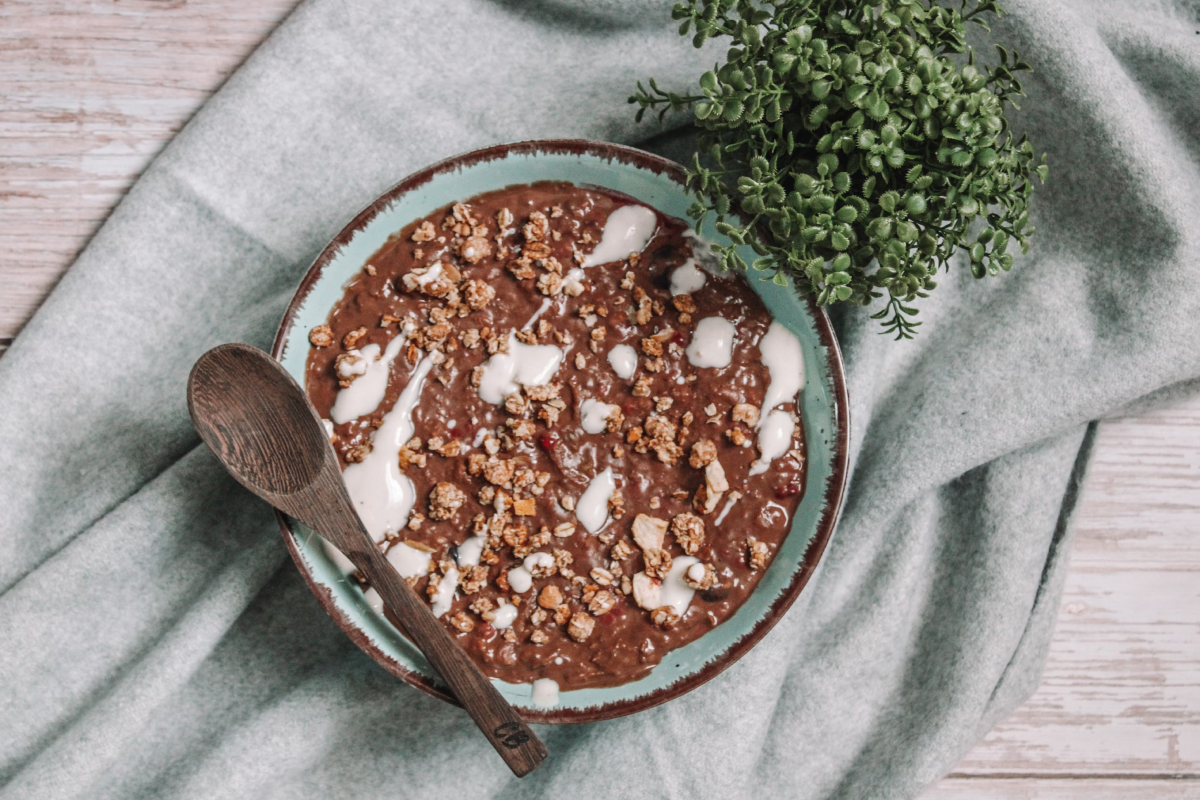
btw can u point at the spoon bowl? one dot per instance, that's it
(233, 388)
(255, 418)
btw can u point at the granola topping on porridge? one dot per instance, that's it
(578, 443)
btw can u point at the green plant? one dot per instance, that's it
(849, 131)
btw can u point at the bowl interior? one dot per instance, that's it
(657, 183)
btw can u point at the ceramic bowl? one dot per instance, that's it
(658, 183)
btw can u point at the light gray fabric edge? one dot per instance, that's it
(158, 643)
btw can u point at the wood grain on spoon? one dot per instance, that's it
(259, 423)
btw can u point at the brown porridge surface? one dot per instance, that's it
(503, 254)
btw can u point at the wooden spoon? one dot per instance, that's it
(258, 422)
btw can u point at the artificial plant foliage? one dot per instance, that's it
(856, 145)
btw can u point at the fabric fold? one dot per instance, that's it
(158, 644)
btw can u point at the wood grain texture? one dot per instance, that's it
(1042, 788)
(89, 93)
(1121, 690)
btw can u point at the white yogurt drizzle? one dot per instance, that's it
(676, 593)
(781, 355)
(408, 561)
(443, 598)
(520, 579)
(592, 508)
(429, 276)
(623, 359)
(374, 600)
(541, 310)
(382, 494)
(774, 439)
(627, 230)
(687, 278)
(470, 551)
(523, 365)
(366, 392)
(784, 360)
(593, 415)
(733, 498)
(506, 615)
(573, 285)
(545, 693)
(712, 343)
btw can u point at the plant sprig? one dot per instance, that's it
(855, 134)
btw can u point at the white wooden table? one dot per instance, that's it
(91, 90)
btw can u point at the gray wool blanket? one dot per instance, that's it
(155, 639)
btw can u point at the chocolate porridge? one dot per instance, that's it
(582, 446)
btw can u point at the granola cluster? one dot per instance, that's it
(510, 476)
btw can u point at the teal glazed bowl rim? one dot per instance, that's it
(655, 181)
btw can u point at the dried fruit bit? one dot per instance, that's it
(602, 602)
(647, 592)
(744, 412)
(581, 626)
(715, 484)
(538, 227)
(445, 500)
(321, 336)
(704, 452)
(349, 367)
(463, 622)
(664, 617)
(658, 563)
(689, 532)
(757, 553)
(714, 477)
(478, 294)
(684, 304)
(621, 550)
(499, 472)
(551, 597)
(357, 453)
(601, 576)
(475, 249)
(649, 532)
(425, 232)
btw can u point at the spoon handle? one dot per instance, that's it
(519, 746)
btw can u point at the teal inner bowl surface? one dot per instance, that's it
(656, 183)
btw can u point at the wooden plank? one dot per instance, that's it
(1121, 689)
(89, 93)
(1045, 788)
